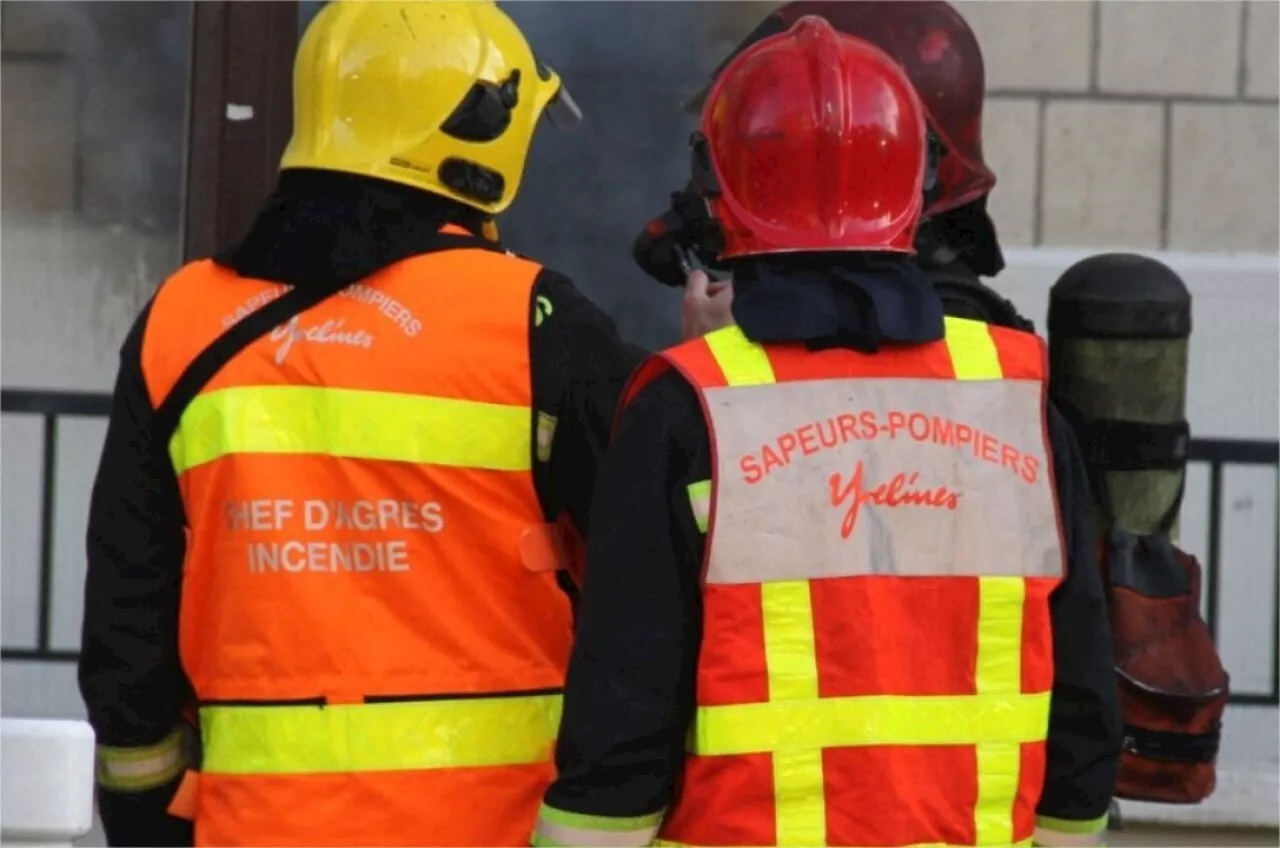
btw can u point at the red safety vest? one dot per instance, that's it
(370, 617)
(882, 539)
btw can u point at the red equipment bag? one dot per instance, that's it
(1173, 688)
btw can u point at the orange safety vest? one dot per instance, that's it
(882, 539)
(369, 614)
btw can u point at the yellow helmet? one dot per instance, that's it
(443, 95)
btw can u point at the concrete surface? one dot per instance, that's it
(1220, 838)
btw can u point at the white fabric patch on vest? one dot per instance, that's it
(835, 478)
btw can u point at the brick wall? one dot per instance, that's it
(1137, 124)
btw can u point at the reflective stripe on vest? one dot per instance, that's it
(795, 724)
(379, 737)
(354, 424)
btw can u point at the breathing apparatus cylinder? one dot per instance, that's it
(1119, 327)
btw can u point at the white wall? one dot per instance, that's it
(50, 339)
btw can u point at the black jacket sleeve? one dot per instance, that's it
(630, 695)
(130, 676)
(580, 367)
(1084, 720)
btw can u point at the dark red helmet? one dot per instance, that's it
(811, 141)
(940, 55)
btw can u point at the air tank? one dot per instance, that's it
(1119, 326)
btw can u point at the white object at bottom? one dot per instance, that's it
(46, 781)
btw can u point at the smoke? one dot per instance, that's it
(128, 68)
(586, 194)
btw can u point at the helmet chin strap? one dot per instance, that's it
(935, 149)
(965, 233)
(931, 250)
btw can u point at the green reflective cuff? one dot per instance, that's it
(1073, 825)
(137, 769)
(1070, 833)
(562, 828)
(612, 823)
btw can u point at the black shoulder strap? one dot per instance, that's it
(205, 366)
(980, 298)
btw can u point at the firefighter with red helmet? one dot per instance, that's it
(833, 542)
(956, 243)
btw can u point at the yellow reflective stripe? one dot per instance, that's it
(800, 794)
(700, 503)
(999, 764)
(999, 666)
(788, 640)
(545, 433)
(136, 769)
(792, 665)
(998, 673)
(460, 733)
(973, 351)
(743, 362)
(352, 423)
(870, 720)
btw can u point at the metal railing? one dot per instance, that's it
(53, 406)
(1219, 453)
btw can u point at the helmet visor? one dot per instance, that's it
(563, 111)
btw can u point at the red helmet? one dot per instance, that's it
(810, 141)
(939, 52)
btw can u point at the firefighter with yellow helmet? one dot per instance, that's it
(326, 510)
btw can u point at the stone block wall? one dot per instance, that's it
(92, 105)
(1131, 123)
(1148, 125)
